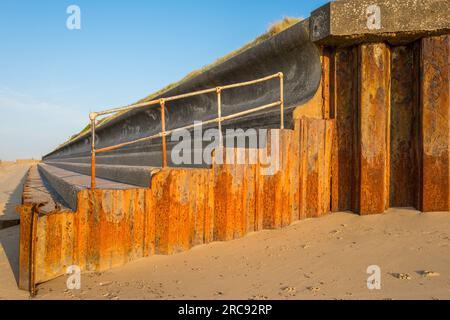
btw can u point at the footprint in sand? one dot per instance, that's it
(288, 291)
(401, 276)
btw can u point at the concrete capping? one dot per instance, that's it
(4, 224)
(134, 175)
(65, 190)
(396, 21)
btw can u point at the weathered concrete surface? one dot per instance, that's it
(435, 107)
(182, 208)
(38, 190)
(12, 178)
(290, 52)
(396, 21)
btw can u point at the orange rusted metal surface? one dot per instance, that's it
(405, 126)
(435, 108)
(93, 152)
(234, 206)
(93, 173)
(163, 132)
(316, 138)
(162, 102)
(183, 211)
(366, 123)
(327, 82)
(27, 236)
(316, 107)
(374, 102)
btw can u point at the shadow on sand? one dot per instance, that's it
(9, 240)
(9, 236)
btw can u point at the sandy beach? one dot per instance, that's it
(324, 258)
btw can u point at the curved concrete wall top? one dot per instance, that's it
(290, 52)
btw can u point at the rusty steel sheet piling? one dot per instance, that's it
(184, 207)
(374, 121)
(315, 166)
(27, 248)
(435, 109)
(290, 52)
(345, 147)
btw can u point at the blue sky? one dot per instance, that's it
(51, 77)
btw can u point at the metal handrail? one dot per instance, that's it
(162, 102)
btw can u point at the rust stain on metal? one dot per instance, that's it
(163, 132)
(224, 200)
(435, 107)
(343, 162)
(344, 166)
(184, 208)
(374, 123)
(27, 248)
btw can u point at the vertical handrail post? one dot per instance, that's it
(92, 117)
(162, 102)
(219, 113)
(281, 75)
